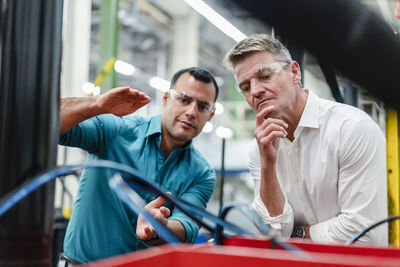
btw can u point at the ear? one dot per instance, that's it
(295, 70)
(165, 98)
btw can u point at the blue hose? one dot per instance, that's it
(123, 191)
(190, 210)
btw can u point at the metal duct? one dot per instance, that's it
(345, 34)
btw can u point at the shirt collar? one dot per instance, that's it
(310, 115)
(154, 126)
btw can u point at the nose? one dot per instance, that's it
(256, 87)
(191, 109)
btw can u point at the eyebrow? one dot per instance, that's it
(240, 84)
(193, 98)
(248, 80)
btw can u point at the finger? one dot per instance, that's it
(165, 212)
(150, 233)
(267, 127)
(270, 132)
(271, 137)
(140, 233)
(136, 96)
(156, 203)
(128, 92)
(263, 113)
(163, 220)
(274, 124)
(121, 89)
(136, 92)
(138, 104)
(262, 120)
(144, 234)
(276, 121)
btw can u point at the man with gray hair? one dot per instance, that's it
(319, 166)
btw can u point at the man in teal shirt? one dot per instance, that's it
(160, 148)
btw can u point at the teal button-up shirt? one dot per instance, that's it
(101, 225)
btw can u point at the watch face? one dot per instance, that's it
(298, 232)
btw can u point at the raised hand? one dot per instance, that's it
(122, 101)
(119, 101)
(144, 230)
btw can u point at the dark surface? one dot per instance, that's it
(30, 56)
(344, 34)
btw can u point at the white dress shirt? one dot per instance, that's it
(333, 175)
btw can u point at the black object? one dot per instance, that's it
(258, 223)
(296, 51)
(352, 38)
(60, 227)
(30, 56)
(66, 261)
(331, 80)
(298, 232)
(366, 230)
(221, 188)
(133, 177)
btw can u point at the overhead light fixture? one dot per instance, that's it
(219, 108)
(216, 19)
(208, 127)
(220, 81)
(96, 90)
(89, 89)
(224, 132)
(159, 84)
(124, 68)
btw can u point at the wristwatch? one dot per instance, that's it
(298, 232)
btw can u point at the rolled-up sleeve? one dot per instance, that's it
(283, 223)
(198, 194)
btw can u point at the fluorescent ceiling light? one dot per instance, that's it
(124, 68)
(216, 19)
(159, 84)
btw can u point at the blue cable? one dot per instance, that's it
(31, 185)
(14, 196)
(358, 235)
(122, 190)
(190, 210)
(259, 224)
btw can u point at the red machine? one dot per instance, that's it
(251, 251)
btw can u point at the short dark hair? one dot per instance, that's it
(199, 74)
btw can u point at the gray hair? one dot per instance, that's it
(256, 43)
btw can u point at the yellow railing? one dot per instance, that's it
(392, 140)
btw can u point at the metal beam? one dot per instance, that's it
(109, 35)
(392, 139)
